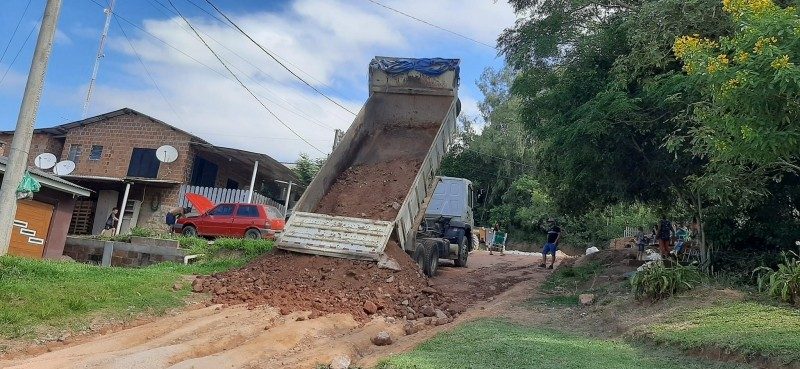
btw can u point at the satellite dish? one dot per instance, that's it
(45, 161)
(166, 154)
(64, 167)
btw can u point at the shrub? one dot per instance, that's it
(658, 281)
(142, 232)
(784, 283)
(249, 247)
(196, 245)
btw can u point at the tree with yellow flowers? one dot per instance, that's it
(748, 120)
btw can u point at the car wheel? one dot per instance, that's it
(189, 231)
(432, 252)
(252, 234)
(463, 253)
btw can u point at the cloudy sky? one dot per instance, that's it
(327, 42)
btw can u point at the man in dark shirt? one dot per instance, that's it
(665, 233)
(551, 246)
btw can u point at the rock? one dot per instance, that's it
(395, 205)
(383, 338)
(63, 337)
(440, 314)
(592, 250)
(197, 285)
(430, 290)
(386, 262)
(405, 302)
(410, 328)
(441, 321)
(341, 361)
(428, 311)
(370, 307)
(177, 287)
(391, 320)
(390, 279)
(586, 299)
(285, 311)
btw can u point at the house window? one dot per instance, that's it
(144, 163)
(204, 173)
(222, 209)
(75, 152)
(96, 153)
(249, 211)
(232, 185)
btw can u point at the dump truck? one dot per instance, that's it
(377, 184)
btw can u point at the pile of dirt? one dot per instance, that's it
(373, 191)
(325, 285)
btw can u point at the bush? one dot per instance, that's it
(196, 245)
(784, 283)
(658, 281)
(142, 232)
(248, 248)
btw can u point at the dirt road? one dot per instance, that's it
(238, 337)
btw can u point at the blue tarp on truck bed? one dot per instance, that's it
(427, 66)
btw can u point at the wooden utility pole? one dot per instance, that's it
(21, 144)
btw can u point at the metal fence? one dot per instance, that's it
(219, 195)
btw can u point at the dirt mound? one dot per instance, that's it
(373, 191)
(325, 285)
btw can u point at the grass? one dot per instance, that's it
(557, 301)
(42, 294)
(749, 328)
(571, 276)
(499, 344)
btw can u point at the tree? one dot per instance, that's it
(306, 168)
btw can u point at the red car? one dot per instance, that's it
(229, 220)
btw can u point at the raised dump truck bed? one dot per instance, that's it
(379, 178)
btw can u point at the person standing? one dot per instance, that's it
(665, 233)
(641, 242)
(551, 246)
(111, 223)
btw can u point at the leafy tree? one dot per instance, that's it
(306, 168)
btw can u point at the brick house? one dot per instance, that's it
(117, 150)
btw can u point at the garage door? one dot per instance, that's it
(30, 228)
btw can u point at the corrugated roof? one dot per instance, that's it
(50, 180)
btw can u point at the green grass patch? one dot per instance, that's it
(749, 328)
(245, 247)
(570, 277)
(37, 294)
(557, 300)
(498, 344)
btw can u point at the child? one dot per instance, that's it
(681, 235)
(641, 242)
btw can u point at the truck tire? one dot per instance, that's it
(419, 256)
(463, 252)
(431, 249)
(189, 231)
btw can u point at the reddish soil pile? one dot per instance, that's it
(296, 282)
(373, 191)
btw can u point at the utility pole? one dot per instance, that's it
(100, 54)
(21, 144)
(338, 134)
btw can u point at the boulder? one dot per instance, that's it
(383, 338)
(386, 262)
(341, 361)
(370, 307)
(428, 311)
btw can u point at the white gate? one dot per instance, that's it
(220, 195)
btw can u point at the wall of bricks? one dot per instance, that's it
(93, 254)
(40, 144)
(119, 136)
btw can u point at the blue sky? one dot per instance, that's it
(328, 42)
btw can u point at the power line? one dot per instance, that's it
(432, 25)
(240, 81)
(499, 158)
(298, 112)
(21, 17)
(17, 55)
(276, 59)
(149, 75)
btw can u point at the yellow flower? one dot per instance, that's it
(781, 63)
(764, 42)
(740, 7)
(731, 84)
(742, 57)
(723, 59)
(686, 45)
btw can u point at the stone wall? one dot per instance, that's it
(124, 254)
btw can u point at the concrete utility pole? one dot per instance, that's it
(21, 144)
(338, 134)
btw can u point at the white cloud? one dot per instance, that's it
(330, 40)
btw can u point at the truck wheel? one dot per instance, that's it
(189, 231)
(432, 251)
(419, 256)
(463, 252)
(252, 234)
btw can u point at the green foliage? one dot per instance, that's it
(192, 243)
(744, 327)
(659, 281)
(784, 283)
(143, 232)
(499, 344)
(306, 168)
(223, 246)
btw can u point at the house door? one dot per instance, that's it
(31, 226)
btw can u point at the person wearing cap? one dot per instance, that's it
(551, 246)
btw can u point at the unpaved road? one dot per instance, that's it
(236, 337)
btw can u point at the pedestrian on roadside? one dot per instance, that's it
(641, 242)
(665, 233)
(551, 245)
(111, 223)
(681, 236)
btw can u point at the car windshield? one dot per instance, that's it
(274, 212)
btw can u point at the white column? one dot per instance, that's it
(122, 208)
(252, 182)
(288, 196)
